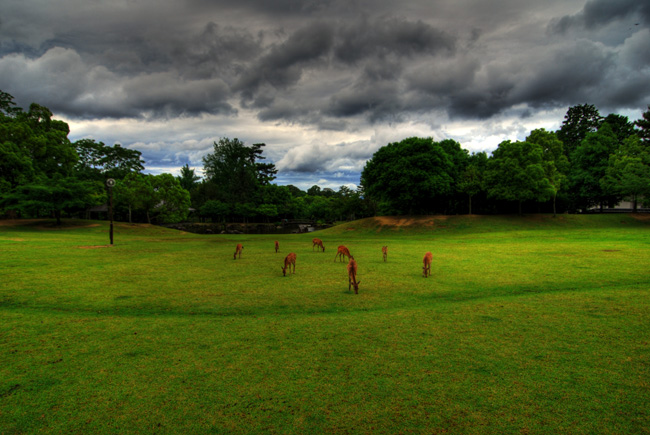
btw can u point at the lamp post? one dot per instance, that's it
(109, 185)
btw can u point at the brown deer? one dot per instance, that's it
(288, 261)
(277, 246)
(427, 264)
(384, 250)
(343, 252)
(319, 244)
(238, 250)
(352, 276)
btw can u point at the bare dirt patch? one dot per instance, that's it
(407, 221)
(640, 216)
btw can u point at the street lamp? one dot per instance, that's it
(109, 185)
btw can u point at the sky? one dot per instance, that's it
(323, 83)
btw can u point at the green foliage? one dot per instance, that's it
(516, 172)
(643, 126)
(589, 165)
(215, 210)
(472, 180)
(171, 201)
(578, 122)
(628, 171)
(411, 175)
(233, 169)
(99, 162)
(51, 195)
(188, 178)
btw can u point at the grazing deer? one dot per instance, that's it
(352, 276)
(288, 261)
(427, 264)
(277, 246)
(384, 250)
(318, 243)
(341, 252)
(238, 250)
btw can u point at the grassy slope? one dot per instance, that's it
(533, 325)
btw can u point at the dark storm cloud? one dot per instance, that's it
(306, 62)
(390, 37)
(284, 64)
(597, 13)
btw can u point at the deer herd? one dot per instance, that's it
(342, 251)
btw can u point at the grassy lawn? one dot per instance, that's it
(529, 325)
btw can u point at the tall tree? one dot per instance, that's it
(172, 202)
(554, 161)
(408, 177)
(99, 162)
(265, 171)
(628, 172)
(188, 178)
(472, 180)
(643, 126)
(515, 172)
(578, 121)
(232, 169)
(589, 164)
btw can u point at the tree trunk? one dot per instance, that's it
(57, 215)
(634, 205)
(520, 213)
(148, 218)
(554, 211)
(130, 214)
(470, 204)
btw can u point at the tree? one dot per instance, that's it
(643, 126)
(50, 195)
(409, 176)
(136, 192)
(578, 121)
(231, 167)
(628, 171)
(172, 202)
(188, 179)
(99, 162)
(554, 161)
(472, 180)
(215, 210)
(621, 126)
(515, 172)
(265, 171)
(589, 164)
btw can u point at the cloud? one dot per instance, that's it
(599, 13)
(63, 82)
(317, 157)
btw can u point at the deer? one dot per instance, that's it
(352, 276)
(238, 250)
(277, 246)
(288, 261)
(384, 250)
(318, 243)
(343, 252)
(426, 269)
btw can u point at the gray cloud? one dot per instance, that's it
(323, 68)
(598, 13)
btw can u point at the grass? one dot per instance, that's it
(527, 325)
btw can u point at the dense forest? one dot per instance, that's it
(590, 162)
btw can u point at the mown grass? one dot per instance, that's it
(528, 325)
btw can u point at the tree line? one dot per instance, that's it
(590, 161)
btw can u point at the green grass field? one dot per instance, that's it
(533, 325)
